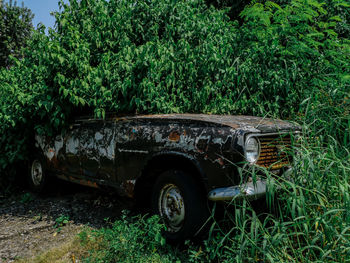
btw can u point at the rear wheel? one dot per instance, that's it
(37, 176)
(179, 201)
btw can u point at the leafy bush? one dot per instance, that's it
(303, 65)
(133, 239)
(340, 11)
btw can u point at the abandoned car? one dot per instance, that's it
(177, 161)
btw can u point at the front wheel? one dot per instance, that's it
(181, 204)
(37, 175)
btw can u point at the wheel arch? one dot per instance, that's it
(162, 162)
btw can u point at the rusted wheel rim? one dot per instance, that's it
(37, 173)
(171, 207)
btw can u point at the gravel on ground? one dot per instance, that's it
(31, 224)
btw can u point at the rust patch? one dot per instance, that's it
(274, 152)
(88, 183)
(174, 136)
(220, 161)
(54, 162)
(78, 181)
(129, 186)
(83, 182)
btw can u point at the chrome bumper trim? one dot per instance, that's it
(250, 190)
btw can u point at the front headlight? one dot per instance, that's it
(252, 149)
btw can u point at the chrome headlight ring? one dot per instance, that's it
(252, 149)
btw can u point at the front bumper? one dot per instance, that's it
(249, 190)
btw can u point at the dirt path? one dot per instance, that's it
(31, 224)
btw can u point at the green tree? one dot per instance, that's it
(15, 29)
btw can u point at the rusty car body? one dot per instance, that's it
(131, 154)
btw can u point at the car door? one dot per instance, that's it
(71, 160)
(97, 149)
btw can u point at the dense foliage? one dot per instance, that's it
(287, 59)
(15, 29)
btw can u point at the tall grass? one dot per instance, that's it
(309, 221)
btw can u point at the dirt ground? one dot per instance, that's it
(31, 224)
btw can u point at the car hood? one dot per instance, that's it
(246, 123)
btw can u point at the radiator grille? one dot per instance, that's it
(274, 151)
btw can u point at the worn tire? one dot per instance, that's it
(171, 187)
(37, 176)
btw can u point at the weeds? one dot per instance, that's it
(61, 221)
(134, 239)
(26, 198)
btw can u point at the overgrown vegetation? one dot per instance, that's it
(287, 59)
(15, 29)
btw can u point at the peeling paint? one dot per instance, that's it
(49, 148)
